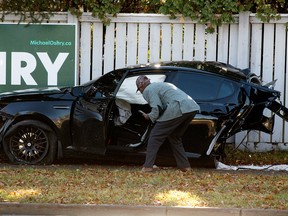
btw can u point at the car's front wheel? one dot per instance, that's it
(30, 142)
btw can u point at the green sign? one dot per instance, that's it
(37, 55)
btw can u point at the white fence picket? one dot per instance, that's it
(109, 48)
(188, 41)
(166, 45)
(154, 42)
(132, 44)
(243, 52)
(200, 43)
(177, 42)
(85, 44)
(223, 42)
(97, 55)
(211, 47)
(233, 44)
(256, 49)
(279, 75)
(268, 63)
(143, 43)
(120, 45)
(255, 65)
(243, 41)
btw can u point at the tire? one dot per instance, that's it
(30, 142)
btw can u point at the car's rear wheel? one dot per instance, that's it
(30, 142)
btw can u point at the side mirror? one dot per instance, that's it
(77, 91)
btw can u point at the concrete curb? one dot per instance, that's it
(109, 210)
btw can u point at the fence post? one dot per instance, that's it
(73, 19)
(243, 57)
(243, 40)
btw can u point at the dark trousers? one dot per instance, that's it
(173, 130)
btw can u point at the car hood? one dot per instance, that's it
(31, 92)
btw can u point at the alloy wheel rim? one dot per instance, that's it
(29, 145)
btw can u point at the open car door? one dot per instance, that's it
(89, 123)
(91, 114)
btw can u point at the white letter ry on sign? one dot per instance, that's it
(23, 64)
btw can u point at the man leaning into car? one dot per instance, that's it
(172, 110)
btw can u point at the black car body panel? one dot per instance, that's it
(85, 119)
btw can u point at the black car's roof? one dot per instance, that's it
(210, 66)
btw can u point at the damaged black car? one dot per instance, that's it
(101, 118)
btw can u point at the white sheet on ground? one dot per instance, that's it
(281, 167)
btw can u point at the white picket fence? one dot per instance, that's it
(140, 38)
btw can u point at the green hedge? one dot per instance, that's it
(211, 12)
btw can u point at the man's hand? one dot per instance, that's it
(145, 115)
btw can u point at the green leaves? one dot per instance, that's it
(210, 12)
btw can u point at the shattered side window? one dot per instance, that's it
(106, 85)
